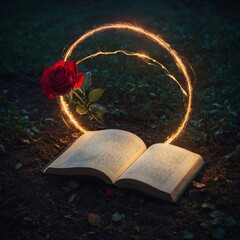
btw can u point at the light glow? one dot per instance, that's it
(142, 56)
(181, 67)
(68, 113)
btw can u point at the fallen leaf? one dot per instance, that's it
(75, 135)
(72, 197)
(198, 184)
(208, 205)
(26, 141)
(63, 140)
(18, 166)
(94, 219)
(116, 217)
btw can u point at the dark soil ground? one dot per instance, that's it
(38, 206)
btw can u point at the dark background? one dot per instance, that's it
(34, 34)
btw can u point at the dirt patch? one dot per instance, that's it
(35, 206)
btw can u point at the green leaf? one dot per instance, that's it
(80, 109)
(87, 81)
(131, 88)
(217, 214)
(152, 94)
(70, 96)
(208, 205)
(144, 85)
(98, 109)
(218, 233)
(98, 117)
(188, 235)
(116, 217)
(205, 225)
(230, 221)
(133, 99)
(215, 221)
(95, 94)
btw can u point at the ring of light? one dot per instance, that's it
(182, 68)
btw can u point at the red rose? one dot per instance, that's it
(61, 78)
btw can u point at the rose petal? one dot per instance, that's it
(48, 95)
(58, 63)
(108, 192)
(51, 96)
(79, 80)
(61, 78)
(63, 89)
(72, 68)
(44, 75)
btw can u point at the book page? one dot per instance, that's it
(162, 166)
(110, 151)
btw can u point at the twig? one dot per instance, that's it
(120, 205)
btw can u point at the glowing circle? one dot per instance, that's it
(180, 65)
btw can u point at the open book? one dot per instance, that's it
(122, 158)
